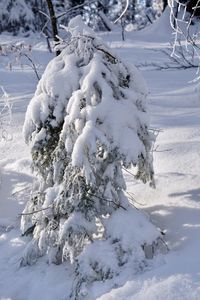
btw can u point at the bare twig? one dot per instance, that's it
(33, 66)
(123, 12)
(36, 211)
(128, 172)
(43, 13)
(107, 53)
(21, 190)
(184, 59)
(149, 18)
(130, 197)
(160, 151)
(179, 30)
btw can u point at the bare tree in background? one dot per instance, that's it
(183, 15)
(165, 3)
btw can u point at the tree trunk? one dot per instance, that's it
(165, 3)
(53, 23)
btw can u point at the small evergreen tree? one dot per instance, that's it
(86, 122)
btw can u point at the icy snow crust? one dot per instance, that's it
(173, 206)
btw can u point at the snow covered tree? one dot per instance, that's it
(85, 123)
(16, 16)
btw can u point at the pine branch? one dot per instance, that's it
(107, 53)
(108, 200)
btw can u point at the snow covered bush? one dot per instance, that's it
(85, 123)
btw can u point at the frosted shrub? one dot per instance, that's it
(17, 54)
(85, 123)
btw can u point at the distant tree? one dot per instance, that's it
(85, 123)
(16, 16)
(139, 13)
(165, 3)
(24, 16)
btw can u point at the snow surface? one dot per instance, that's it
(174, 205)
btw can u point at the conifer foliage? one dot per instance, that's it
(85, 123)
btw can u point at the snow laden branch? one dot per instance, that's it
(86, 122)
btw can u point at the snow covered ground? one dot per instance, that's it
(174, 206)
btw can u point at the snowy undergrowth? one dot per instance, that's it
(173, 206)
